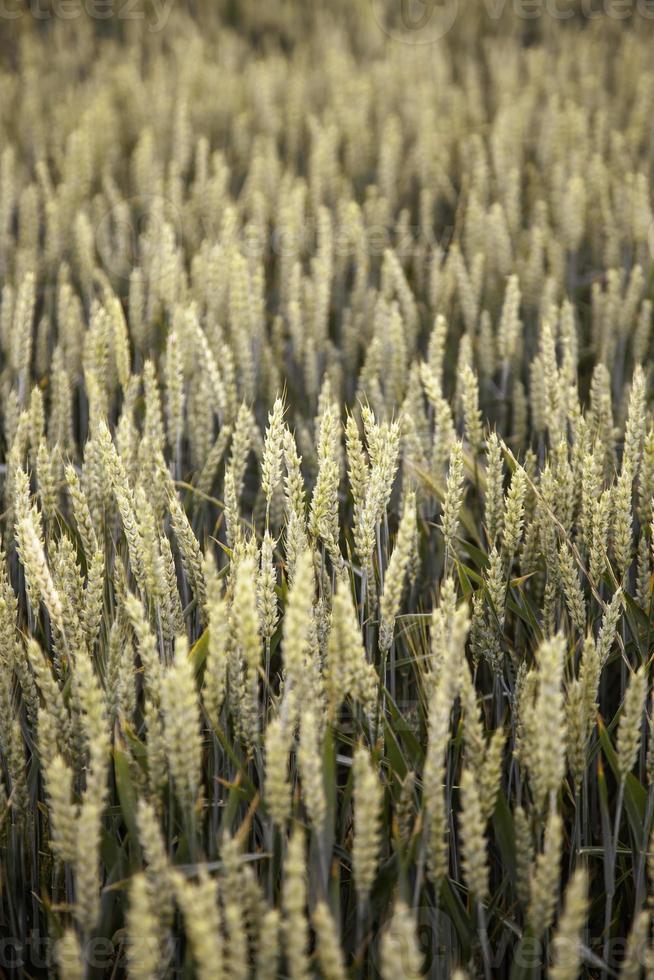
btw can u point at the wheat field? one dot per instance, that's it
(327, 469)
